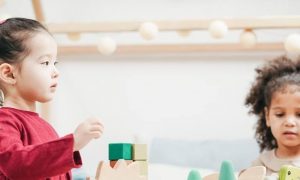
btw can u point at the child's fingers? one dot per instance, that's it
(96, 131)
(96, 134)
(96, 128)
(96, 124)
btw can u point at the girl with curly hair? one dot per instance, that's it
(275, 99)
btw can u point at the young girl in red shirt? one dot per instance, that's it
(29, 147)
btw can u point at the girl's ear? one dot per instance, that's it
(267, 116)
(6, 73)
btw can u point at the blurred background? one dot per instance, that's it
(169, 80)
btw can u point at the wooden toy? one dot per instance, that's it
(213, 176)
(194, 175)
(139, 152)
(120, 151)
(288, 172)
(143, 167)
(226, 172)
(113, 162)
(121, 171)
(253, 173)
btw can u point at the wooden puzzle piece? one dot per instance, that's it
(114, 162)
(121, 171)
(253, 173)
(213, 176)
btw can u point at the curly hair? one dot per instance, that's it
(274, 76)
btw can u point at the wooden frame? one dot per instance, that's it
(38, 11)
(275, 22)
(180, 25)
(176, 25)
(171, 48)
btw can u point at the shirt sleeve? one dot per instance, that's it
(34, 161)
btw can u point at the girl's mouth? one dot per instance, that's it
(53, 86)
(290, 133)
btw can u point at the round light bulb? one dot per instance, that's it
(148, 30)
(292, 43)
(248, 39)
(218, 29)
(107, 46)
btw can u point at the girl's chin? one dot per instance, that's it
(45, 100)
(291, 144)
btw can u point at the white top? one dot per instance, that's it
(273, 163)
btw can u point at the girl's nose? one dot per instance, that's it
(290, 121)
(55, 73)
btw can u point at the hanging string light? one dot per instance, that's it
(218, 29)
(248, 38)
(148, 30)
(107, 46)
(292, 43)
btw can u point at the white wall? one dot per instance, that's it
(186, 96)
(101, 10)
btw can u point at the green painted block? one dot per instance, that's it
(227, 171)
(120, 151)
(194, 175)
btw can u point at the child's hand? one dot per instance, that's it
(86, 131)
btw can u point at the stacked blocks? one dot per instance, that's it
(139, 154)
(130, 153)
(120, 151)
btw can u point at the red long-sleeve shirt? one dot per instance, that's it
(31, 149)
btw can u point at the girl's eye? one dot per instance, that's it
(279, 115)
(55, 63)
(298, 115)
(46, 63)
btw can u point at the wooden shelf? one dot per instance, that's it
(171, 48)
(176, 25)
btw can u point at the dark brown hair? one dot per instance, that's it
(272, 77)
(14, 33)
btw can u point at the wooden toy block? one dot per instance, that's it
(226, 172)
(288, 172)
(120, 151)
(113, 162)
(143, 167)
(194, 175)
(214, 176)
(121, 171)
(139, 152)
(253, 173)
